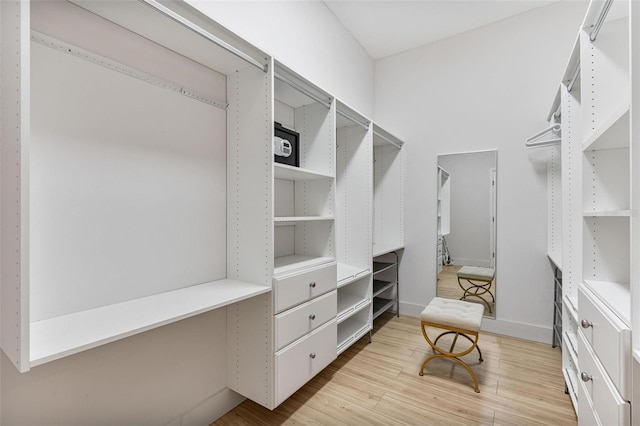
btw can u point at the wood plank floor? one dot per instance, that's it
(378, 384)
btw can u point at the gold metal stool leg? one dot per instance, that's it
(454, 356)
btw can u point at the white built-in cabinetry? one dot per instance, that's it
(354, 203)
(596, 207)
(114, 202)
(139, 188)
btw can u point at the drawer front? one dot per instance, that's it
(607, 402)
(298, 363)
(297, 288)
(586, 412)
(296, 322)
(609, 338)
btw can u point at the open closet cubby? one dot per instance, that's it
(354, 189)
(117, 174)
(388, 225)
(304, 196)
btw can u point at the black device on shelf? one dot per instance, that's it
(292, 149)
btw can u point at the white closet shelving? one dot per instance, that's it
(388, 225)
(97, 247)
(354, 188)
(444, 208)
(597, 210)
(163, 200)
(298, 328)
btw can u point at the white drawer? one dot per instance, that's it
(296, 288)
(296, 322)
(586, 412)
(296, 364)
(607, 402)
(609, 338)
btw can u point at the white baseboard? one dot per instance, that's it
(210, 410)
(519, 330)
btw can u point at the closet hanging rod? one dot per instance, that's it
(386, 139)
(204, 33)
(350, 118)
(598, 25)
(303, 90)
(574, 78)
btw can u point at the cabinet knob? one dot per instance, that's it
(312, 355)
(586, 323)
(312, 284)
(585, 377)
(312, 316)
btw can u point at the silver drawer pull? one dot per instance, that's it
(312, 355)
(312, 284)
(312, 316)
(585, 377)
(586, 323)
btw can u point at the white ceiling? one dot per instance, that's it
(386, 27)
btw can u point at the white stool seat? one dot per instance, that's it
(454, 313)
(476, 273)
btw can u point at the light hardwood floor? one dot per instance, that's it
(378, 384)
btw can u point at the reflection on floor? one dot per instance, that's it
(449, 288)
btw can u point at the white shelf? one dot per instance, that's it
(379, 251)
(381, 305)
(613, 133)
(556, 258)
(348, 274)
(292, 220)
(607, 213)
(616, 296)
(289, 264)
(58, 337)
(284, 171)
(349, 305)
(572, 346)
(571, 303)
(349, 332)
(571, 379)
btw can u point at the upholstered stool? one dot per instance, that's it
(456, 317)
(478, 283)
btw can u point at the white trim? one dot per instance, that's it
(518, 330)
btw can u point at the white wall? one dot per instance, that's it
(488, 88)
(306, 37)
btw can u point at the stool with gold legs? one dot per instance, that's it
(476, 281)
(455, 317)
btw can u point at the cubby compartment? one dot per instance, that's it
(115, 173)
(605, 190)
(304, 195)
(353, 328)
(353, 297)
(388, 196)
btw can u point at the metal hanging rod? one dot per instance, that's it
(386, 139)
(88, 56)
(598, 25)
(574, 78)
(204, 33)
(350, 118)
(302, 89)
